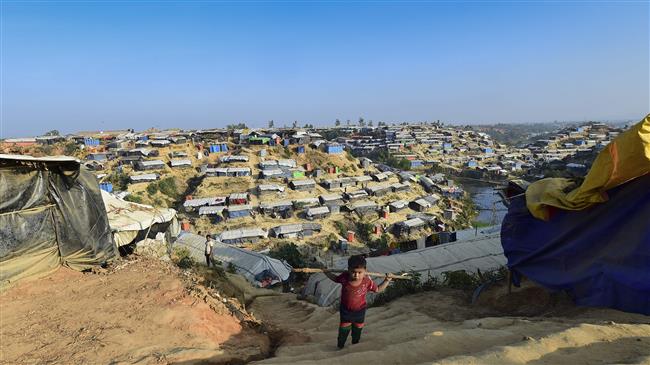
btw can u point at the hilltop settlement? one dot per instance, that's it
(112, 225)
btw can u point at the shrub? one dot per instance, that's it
(231, 268)
(380, 243)
(342, 228)
(461, 280)
(133, 198)
(183, 258)
(167, 186)
(289, 252)
(399, 288)
(364, 230)
(152, 188)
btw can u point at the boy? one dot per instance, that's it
(209, 244)
(353, 297)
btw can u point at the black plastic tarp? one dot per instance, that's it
(51, 214)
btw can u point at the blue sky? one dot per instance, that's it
(81, 65)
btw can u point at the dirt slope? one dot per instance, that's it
(440, 327)
(143, 313)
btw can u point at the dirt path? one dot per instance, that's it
(440, 327)
(142, 313)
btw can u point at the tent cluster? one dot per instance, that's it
(257, 268)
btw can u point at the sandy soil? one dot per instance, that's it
(441, 327)
(143, 313)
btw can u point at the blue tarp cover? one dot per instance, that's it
(599, 255)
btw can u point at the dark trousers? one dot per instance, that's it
(350, 321)
(207, 259)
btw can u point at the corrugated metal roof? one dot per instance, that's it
(363, 204)
(330, 197)
(413, 223)
(239, 208)
(143, 177)
(318, 210)
(271, 205)
(211, 209)
(303, 182)
(270, 187)
(182, 162)
(205, 201)
(152, 163)
(242, 233)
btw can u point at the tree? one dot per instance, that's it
(361, 122)
(53, 132)
(370, 123)
(347, 122)
(271, 123)
(295, 124)
(337, 123)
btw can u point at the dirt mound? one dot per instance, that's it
(147, 311)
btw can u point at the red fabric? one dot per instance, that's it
(354, 297)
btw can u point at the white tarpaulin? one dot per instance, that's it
(252, 265)
(483, 252)
(127, 219)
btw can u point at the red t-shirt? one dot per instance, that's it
(354, 297)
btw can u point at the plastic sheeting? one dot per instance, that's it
(625, 158)
(483, 252)
(127, 219)
(51, 213)
(600, 255)
(249, 264)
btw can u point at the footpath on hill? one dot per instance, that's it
(441, 327)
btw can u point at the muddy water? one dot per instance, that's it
(490, 207)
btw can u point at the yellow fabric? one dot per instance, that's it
(625, 158)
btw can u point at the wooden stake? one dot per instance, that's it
(375, 274)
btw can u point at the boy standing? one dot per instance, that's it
(355, 285)
(209, 244)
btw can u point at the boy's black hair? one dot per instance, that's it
(356, 262)
(208, 236)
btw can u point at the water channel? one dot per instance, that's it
(487, 200)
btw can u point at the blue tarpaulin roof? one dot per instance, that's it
(600, 255)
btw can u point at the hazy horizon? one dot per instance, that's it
(76, 66)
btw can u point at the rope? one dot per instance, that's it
(28, 210)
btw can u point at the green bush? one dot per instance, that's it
(231, 268)
(152, 188)
(363, 230)
(398, 288)
(380, 243)
(461, 280)
(167, 186)
(290, 253)
(133, 198)
(342, 228)
(183, 258)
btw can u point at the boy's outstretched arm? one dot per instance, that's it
(384, 285)
(330, 275)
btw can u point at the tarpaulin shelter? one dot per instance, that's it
(254, 266)
(482, 252)
(130, 221)
(593, 242)
(51, 214)
(600, 255)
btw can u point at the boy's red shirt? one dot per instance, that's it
(354, 297)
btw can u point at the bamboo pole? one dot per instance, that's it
(376, 274)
